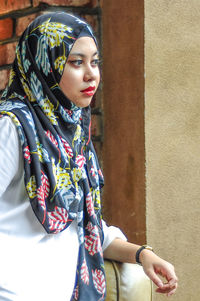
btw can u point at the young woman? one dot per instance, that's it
(53, 238)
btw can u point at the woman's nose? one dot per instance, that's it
(90, 73)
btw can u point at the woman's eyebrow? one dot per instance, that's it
(83, 55)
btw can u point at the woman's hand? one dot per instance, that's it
(154, 266)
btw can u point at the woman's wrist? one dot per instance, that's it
(144, 254)
(139, 252)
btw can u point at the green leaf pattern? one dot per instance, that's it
(42, 59)
(26, 62)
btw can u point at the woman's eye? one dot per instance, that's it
(76, 62)
(95, 62)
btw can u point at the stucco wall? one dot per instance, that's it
(172, 118)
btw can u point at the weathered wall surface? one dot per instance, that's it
(172, 117)
(123, 104)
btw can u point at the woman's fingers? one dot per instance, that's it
(167, 289)
(154, 277)
(155, 266)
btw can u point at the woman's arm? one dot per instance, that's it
(153, 265)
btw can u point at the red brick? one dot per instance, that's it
(90, 3)
(6, 28)
(23, 22)
(4, 74)
(7, 53)
(10, 5)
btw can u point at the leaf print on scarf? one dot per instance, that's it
(45, 185)
(77, 135)
(73, 117)
(53, 140)
(11, 77)
(48, 109)
(80, 161)
(26, 62)
(61, 176)
(30, 122)
(99, 281)
(41, 201)
(85, 273)
(60, 63)
(36, 87)
(92, 241)
(44, 103)
(42, 59)
(9, 105)
(58, 219)
(43, 193)
(90, 205)
(17, 96)
(27, 91)
(67, 147)
(76, 293)
(96, 196)
(31, 187)
(27, 154)
(42, 153)
(20, 63)
(55, 32)
(94, 170)
(77, 174)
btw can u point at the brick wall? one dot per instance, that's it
(15, 15)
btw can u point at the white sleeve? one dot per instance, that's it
(110, 233)
(9, 152)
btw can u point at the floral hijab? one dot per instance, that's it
(62, 174)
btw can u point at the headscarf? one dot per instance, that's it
(62, 174)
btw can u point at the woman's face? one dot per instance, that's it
(81, 75)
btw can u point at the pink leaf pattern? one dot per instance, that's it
(27, 154)
(90, 205)
(41, 200)
(58, 219)
(89, 227)
(75, 293)
(45, 185)
(84, 273)
(67, 147)
(69, 112)
(80, 161)
(92, 171)
(100, 173)
(52, 138)
(99, 281)
(42, 193)
(92, 242)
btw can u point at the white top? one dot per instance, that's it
(34, 265)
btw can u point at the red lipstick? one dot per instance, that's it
(89, 91)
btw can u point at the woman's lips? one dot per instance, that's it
(89, 91)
